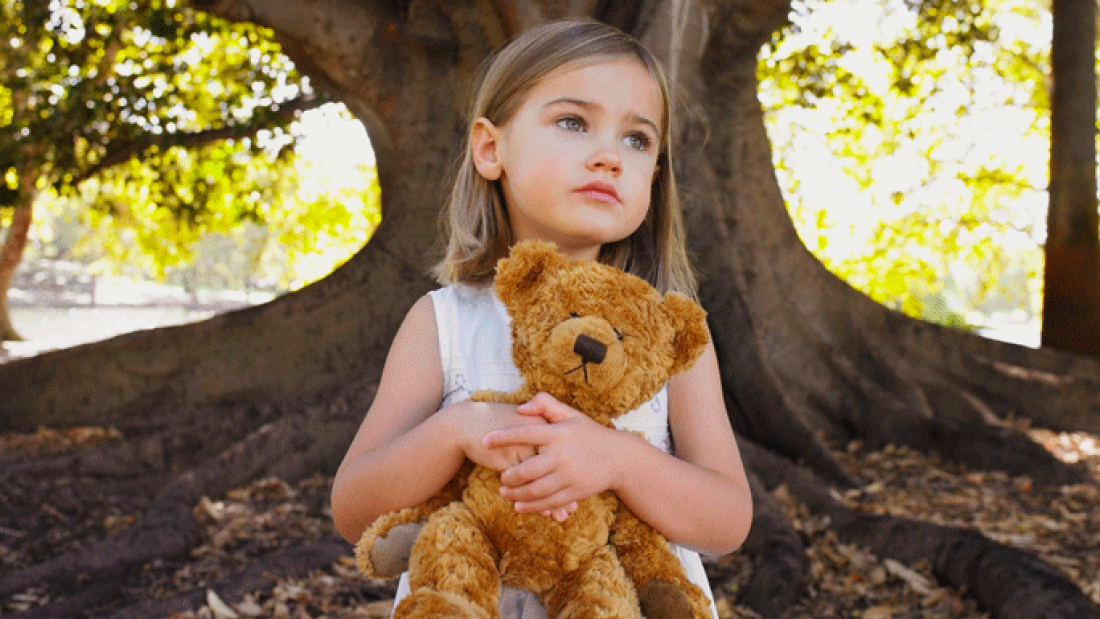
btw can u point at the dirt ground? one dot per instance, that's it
(45, 516)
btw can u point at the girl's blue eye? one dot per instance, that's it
(571, 123)
(638, 141)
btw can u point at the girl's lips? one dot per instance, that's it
(600, 191)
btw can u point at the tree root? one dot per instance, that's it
(167, 528)
(1008, 582)
(985, 447)
(754, 392)
(922, 409)
(260, 575)
(1052, 389)
(778, 557)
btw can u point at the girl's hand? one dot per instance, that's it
(472, 421)
(575, 458)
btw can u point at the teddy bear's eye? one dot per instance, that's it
(619, 334)
(574, 315)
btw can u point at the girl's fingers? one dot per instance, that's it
(552, 503)
(519, 435)
(559, 514)
(522, 475)
(530, 408)
(541, 400)
(535, 483)
(546, 406)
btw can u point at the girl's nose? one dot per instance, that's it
(606, 157)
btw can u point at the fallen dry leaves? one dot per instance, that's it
(1061, 525)
(47, 441)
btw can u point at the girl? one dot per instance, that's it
(569, 143)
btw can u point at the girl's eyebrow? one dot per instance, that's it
(589, 105)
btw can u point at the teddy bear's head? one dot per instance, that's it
(594, 337)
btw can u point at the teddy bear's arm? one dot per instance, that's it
(383, 551)
(519, 396)
(664, 589)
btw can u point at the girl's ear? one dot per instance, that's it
(485, 149)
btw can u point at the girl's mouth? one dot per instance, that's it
(600, 191)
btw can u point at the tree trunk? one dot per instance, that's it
(794, 338)
(808, 363)
(11, 252)
(1071, 274)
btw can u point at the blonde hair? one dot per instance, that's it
(475, 219)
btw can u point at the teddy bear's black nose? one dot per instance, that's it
(590, 349)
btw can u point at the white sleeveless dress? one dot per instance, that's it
(475, 348)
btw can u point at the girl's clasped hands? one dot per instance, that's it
(571, 457)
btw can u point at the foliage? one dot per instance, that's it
(87, 79)
(911, 141)
(166, 125)
(300, 218)
(909, 151)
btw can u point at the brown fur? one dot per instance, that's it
(602, 561)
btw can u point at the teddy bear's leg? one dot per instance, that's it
(383, 550)
(664, 590)
(598, 588)
(453, 570)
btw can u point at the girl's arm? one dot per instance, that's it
(698, 498)
(402, 453)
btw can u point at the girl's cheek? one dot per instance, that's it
(545, 167)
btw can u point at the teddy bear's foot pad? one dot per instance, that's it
(663, 600)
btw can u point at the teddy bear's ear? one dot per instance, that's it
(527, 265)
(690, 322)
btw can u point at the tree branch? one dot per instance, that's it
(122, 150)
(753, 20)
(350, 49)
(331, 25)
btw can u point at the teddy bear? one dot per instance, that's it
(604, 342)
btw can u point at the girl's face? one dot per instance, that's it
(577, 160)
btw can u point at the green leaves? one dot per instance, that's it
(910, 140)
(93, 78)
(165, 126)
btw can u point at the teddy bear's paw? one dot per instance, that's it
(660, 599)
(428, 604)
(389, 555)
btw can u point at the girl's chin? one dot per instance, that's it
(579, 250)
(589, 243)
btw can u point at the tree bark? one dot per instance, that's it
(808, 363)
(1071, 273)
